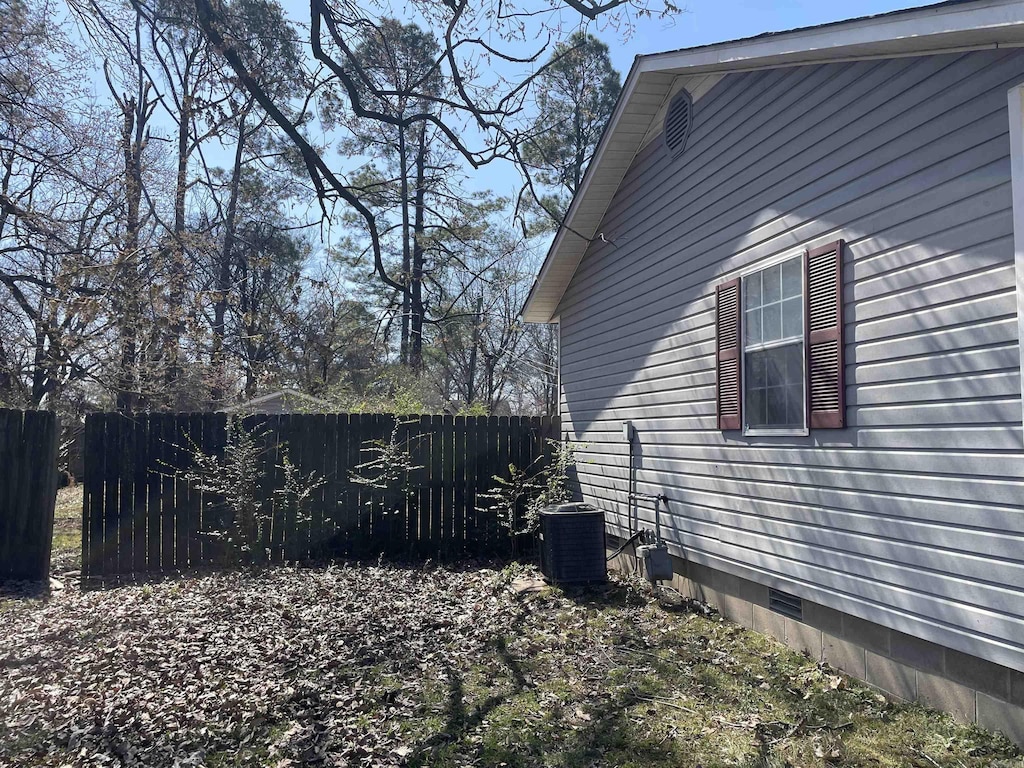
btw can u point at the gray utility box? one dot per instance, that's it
(656, 560)
(572, 547)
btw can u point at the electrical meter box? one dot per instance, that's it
(656, 560)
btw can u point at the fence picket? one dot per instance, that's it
(360, 499)
(92, 495)
(126, 497)
(168, 463)
(275, 425)
(403, 503)
(420, 522)
(348, 497)
(459, 472)
(345, 520)
(195, 428)
(327, 544)
(476, 475)
(298, 530)
(111, 507)
(436, 473)
(10, 427)
(214, 515)
(287, 447)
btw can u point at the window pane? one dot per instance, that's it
(755, 408)
(753, 325)
(752, 289)
(776, 407)
(795, 404)
(774, 387)
(772, 280)
(775, 367)
(755, 371)
(791, 281)
(794, 364)
(792, 317)
(771, 322)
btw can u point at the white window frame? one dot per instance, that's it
(803, 431)
(1015, 109)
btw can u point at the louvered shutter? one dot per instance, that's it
(727, 334)
(826, 388)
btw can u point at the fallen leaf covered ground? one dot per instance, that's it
(377, 665)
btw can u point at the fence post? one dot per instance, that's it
(28, 492)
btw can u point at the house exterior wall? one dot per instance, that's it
(912, 517)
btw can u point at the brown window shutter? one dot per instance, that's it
(826, 387)
(727, 334)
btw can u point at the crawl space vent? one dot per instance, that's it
(786, 604)
(677, 123)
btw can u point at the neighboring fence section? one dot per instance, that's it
(141, 516)
(28, 490)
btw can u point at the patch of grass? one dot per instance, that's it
(66, 550)
(623, 683)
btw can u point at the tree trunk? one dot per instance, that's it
(127, 380)
(474, 345)
(416, 307)
(406, 254)
(177, 268)
(222, 286)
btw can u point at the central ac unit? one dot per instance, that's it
(572, 546)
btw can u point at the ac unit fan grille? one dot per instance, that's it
(573, 546)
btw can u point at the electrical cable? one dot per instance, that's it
(625, 544)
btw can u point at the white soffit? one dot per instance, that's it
(654, 79)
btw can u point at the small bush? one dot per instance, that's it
(388, 471)
(531, 490)
(234, 478)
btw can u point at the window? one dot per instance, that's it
(779, 346)
(773, 347)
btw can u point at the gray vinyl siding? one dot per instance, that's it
(912, 516)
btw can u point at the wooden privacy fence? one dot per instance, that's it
(28, 490)
(141, 516)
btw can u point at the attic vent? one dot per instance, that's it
(786, 604)
(677, 122)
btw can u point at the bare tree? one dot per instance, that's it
(479, 97)
(55, 210)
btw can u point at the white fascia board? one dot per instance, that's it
(909, 32)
